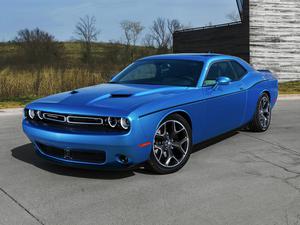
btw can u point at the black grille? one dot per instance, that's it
(78, 128)
(54, 117)
(85, 120)
(73, 154)
(52, 151)
(75, 123)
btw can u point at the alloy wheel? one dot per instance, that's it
(171, 143)
(264, 112)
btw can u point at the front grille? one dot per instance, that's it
(85, 120)
(73, 154)
(75, 123)
(54, 117)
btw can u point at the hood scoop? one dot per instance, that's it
(120, 95)
(73, 92)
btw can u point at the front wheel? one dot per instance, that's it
(171, 146)
(262, 118)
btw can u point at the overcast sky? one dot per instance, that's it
(60, 16)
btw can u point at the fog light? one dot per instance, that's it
(31, 114)
(123, 159)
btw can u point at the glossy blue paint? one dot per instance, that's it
(212, 110)
(223, 80)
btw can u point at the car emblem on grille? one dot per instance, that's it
(67, 154)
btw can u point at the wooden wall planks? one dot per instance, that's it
(269, 37)
(275, 37)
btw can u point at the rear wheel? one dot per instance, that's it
(263, 114)
(171, 146)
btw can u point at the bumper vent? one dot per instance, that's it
(88, 156)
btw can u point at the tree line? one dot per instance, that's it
(40, 48)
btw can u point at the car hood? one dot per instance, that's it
(107, 99)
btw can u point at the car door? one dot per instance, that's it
(224, 104)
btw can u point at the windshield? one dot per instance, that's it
(161, 72)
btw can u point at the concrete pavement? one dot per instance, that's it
(240, 178)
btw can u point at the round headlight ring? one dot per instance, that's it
(39, 114)
(112, 121)
(125, 123)
(31, 114)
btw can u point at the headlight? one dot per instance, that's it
(40, 115)
(117, 122)
(112, 121)
(125, 124)
(31, 114)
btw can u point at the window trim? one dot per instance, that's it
(241, 66)
(214, 62)
(224, 60)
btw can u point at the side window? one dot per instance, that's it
(219, 69)
(239, 69)
(212, 75)
(227, 70)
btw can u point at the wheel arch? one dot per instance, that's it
(266, 92)
(182, 113)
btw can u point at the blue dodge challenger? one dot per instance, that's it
(152, 112)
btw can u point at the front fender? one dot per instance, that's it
(151, 122)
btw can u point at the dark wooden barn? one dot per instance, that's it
(268, 36)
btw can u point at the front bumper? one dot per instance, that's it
(112, 145)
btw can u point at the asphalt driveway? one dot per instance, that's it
(240, 178)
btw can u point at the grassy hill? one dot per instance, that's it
(21, 81)
(72, 52)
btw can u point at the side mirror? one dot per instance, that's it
(223, 80)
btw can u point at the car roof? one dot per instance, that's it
(203, 57)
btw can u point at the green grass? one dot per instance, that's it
(15, 102)
(292, 87)
(72, 50)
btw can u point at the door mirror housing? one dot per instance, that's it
(223, 80)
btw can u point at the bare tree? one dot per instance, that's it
(39, 46)
(86, 32)
(173, 26)
(132, 31)
(148, 40)
(160, 34)
(233, 16)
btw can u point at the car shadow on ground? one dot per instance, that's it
(205, 144)
(26, 153)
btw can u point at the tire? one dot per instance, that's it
(263, 114)
(172, 145)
